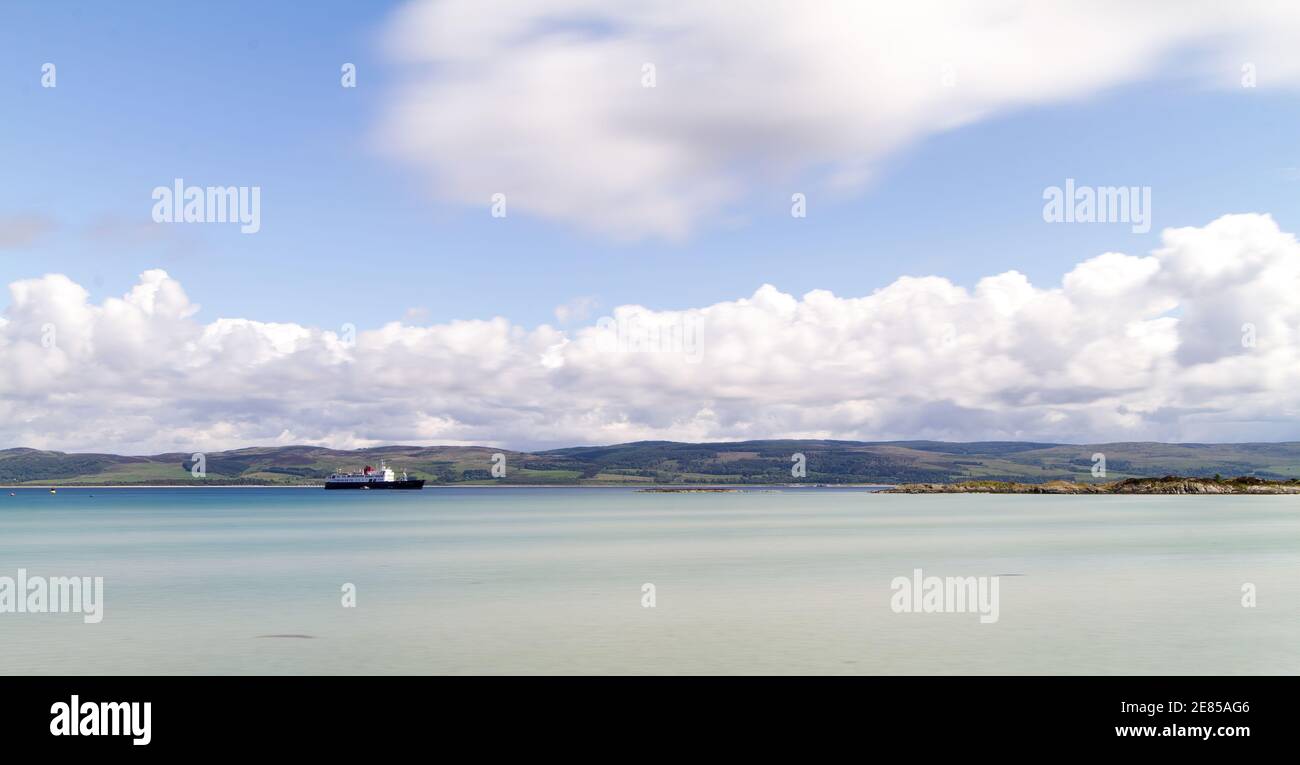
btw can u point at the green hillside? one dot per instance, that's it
(667, 462)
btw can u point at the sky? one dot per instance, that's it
(721, 221)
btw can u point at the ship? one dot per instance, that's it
(382, 477)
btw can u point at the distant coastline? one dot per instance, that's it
(66, 486)
(1172, 485)
(649, 464)
(666, 488)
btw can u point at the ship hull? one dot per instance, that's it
(414, 483)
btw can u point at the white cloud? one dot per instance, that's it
(1126, 348)
(577, 309)
(543, 100)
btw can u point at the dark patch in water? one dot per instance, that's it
(302, 637)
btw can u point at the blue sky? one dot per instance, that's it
(248, 94)
(376, 208)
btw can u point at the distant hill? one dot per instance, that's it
(650, 462)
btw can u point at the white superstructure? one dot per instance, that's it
(368, 475)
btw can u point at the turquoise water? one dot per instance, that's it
(499, 580)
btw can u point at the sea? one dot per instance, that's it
(612, 581)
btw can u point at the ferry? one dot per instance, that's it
(382, 477)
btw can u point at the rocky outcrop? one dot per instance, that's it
(1165, 485)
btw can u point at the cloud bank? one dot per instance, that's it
(1196, 341)
(546, 101)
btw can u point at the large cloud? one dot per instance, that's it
(1126, 348)
(543, 100)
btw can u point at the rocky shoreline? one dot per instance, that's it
(1165, 485)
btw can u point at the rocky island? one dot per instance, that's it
(1167, 485)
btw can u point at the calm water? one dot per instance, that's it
(549, 581)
